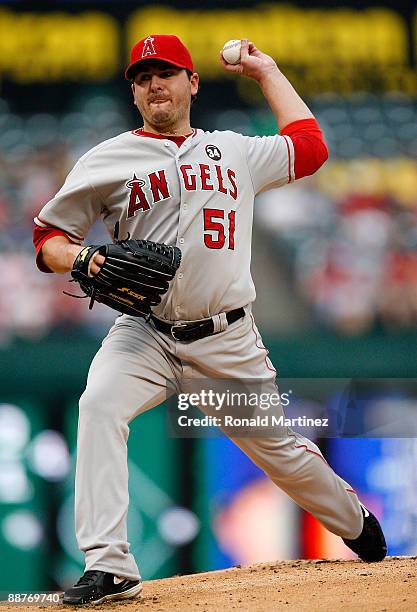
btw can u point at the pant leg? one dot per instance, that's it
(127, 376)
(291, 461)
(296, 465)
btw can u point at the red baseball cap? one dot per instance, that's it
(166, 47)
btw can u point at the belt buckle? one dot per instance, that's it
(175, 327)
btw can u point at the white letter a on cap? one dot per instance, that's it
(148, 48)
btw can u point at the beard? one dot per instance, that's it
(164, 116)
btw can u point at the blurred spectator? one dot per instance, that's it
(354, 257)
(398, 299)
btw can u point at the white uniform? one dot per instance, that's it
(160, 192)
(198, 196)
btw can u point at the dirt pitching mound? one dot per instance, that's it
(322, 585)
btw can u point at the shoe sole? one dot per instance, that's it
(375, 559)
(130, 593)
(370, 554)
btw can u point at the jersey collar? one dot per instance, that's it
(179, 140)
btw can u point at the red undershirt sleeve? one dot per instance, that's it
(40, 236)
(310, 150)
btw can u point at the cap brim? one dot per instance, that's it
(132, 69)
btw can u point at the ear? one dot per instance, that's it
(194, 81)
(132, 88)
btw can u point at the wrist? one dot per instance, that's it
(269, 74)
(72, 251)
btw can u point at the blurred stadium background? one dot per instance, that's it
(334, 259)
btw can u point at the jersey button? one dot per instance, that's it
(180, 275)
(181, 241)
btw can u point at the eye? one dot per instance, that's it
(143, 77)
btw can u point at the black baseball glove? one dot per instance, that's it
(133, 277)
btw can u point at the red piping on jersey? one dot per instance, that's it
(40, 236)
(311, 451)
(321, 457)
(177, 139)
(310, 150)
(289, 160)
(261, 347)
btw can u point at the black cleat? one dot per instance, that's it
(370, 545)
(95, 586)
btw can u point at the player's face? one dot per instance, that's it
(162, 93)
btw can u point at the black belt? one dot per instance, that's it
(187, 332)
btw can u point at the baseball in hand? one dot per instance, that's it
(231, 51)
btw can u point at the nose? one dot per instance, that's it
(156, 83)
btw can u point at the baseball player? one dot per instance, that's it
(185, 187)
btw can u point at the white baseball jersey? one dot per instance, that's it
(198, 196)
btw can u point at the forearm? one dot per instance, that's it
(284, 101)
(281, 96)
(58, 254)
